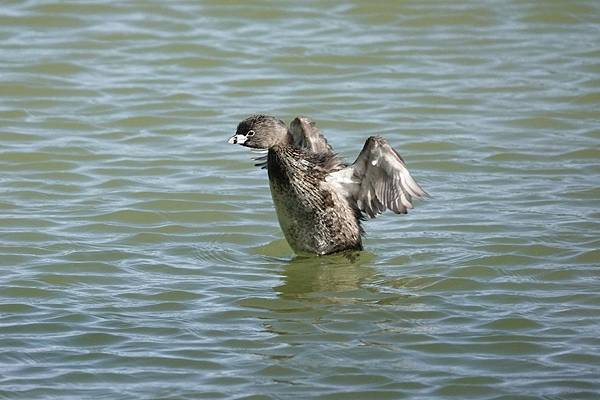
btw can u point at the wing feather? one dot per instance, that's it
(379, 180)
(306, 135)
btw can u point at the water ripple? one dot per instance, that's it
(140, 253)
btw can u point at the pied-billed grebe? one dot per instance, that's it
(320, 200)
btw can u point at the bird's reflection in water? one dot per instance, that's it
(306, 277)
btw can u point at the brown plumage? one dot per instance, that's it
(320, 200)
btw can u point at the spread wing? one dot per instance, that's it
(306, 135)
(378, 180)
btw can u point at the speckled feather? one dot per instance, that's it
(319, 199)
(313, 217)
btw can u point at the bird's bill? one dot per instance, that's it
(237, 139)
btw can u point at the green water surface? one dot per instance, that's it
(140, 255)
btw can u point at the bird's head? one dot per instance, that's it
(260, 132)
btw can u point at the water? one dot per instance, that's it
(140, 253)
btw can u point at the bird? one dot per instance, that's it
(320, 200)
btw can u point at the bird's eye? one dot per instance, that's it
(250, 133)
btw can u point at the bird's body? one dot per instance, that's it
(313, 216)
(320, 200)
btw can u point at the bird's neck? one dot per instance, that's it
(285, 141)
